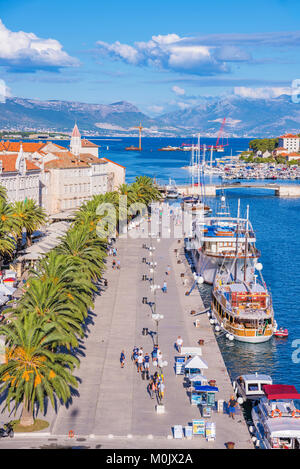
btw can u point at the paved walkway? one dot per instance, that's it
(114, 401)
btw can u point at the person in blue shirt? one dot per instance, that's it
(122, 359)
(146, 365)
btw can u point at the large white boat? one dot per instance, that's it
(276, 418)
(221, 240)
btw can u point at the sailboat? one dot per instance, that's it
(194, 202)
(242, 304)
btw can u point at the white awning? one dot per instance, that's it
(196, 362)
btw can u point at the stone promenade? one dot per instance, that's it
(112, 405)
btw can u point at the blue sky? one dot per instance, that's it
(159, 55)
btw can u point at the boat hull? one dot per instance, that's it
(207, 266)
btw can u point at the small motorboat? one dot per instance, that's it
(281, 332)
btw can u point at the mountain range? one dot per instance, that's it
(245, 117)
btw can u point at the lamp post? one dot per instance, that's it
(156, 317)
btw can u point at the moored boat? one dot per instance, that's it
(276, 418)
(249, 387)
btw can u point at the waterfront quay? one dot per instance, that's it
(113, 406)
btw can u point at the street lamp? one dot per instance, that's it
(157, 317)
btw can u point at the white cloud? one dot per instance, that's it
(261, 93)
(177, 90)
(166, 52)
(156, 109)
(26, 50)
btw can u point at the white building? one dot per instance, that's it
(20, 177)
(290, 142)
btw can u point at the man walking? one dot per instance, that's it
(232, 406)
(164, 288)
(122, 359)
(140, 362)
(146, 365)
(161, 390)
(179, 343)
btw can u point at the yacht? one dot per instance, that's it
(242, 308)
(221, 240)
(171, 190)
(276, 418)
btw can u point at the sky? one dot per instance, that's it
(160, 55)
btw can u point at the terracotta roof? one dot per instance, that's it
(92, 159)
(294, 154)
(87, 143)
(68, 160)
(9, 163)
(65, 160)
(28, 147)
(280, 149)
(289, 136)
(110, 161)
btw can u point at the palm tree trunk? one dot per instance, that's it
(28, 239)
(27, 415)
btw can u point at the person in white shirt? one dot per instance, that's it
(179, 343)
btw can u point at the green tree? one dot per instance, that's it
(33, 371)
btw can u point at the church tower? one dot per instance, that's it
(75, 144)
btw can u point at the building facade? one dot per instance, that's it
(290, 142)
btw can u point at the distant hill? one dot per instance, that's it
(245, 117)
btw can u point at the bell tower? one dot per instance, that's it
(75, 143)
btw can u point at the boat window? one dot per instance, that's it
(253, 387)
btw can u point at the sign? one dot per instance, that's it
(198, 427)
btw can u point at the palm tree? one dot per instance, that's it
(84, 250)
(52, 302)
(30, 217)
(32, 370)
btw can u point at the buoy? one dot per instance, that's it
(217, 328)
(231, 337)
(240, 400)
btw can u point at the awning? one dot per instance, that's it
(280, 391)
(196, 362)
(206, 388)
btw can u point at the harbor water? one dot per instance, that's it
(276, 222)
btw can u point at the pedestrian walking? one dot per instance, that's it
(122, 359)
(118, 265)
(113, 264)
(134, 355)
(179, 343)
(164, 288)
(161, 391)
(151, 388)
(232, 406)
(146, 365)
(168, 270)
(114, 252)
(140, 362)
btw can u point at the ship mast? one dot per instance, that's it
(246, 245)
(237, 241)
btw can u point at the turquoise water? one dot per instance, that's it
(276, 222)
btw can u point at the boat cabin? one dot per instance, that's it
(250, 386)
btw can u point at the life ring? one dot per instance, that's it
(278, 412)
(297, 411)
